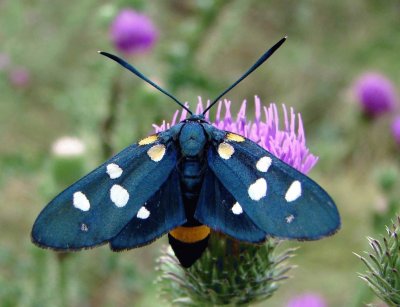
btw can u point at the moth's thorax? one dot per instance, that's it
(192, 139)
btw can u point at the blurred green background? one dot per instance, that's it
(203, 46)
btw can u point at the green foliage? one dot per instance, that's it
(383, 265)
(228, 273)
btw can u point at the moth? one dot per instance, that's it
(187, 181)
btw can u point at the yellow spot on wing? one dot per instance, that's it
(157, 152)
(225, 150)
(190, 234)
(235, 137)
(149, 140)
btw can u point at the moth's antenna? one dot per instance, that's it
(261, 60)
(143, 77)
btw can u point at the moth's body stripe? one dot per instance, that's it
(294, 191)
(190, 234)
(80, 201)
(114, 171)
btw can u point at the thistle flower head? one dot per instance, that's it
(307, 300)
(19, 77)
(132, 32)
(375, 93)
(396, 129)
(286, 141)
(227, 273)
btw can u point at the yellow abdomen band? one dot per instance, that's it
(190, 234)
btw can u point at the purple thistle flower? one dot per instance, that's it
(19, 77)
(307, 300)
(396, 129)
(132, 32)
(288, 143)
(375, 93)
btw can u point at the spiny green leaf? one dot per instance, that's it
(383, 267)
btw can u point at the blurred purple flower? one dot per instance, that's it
(307, 300)
(375, 93)
(132, 32)
(396, 129)
(19, 77)
(284, 142)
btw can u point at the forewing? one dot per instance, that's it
(279, 199)
(96, 208)
(220, 211)
(161, 213)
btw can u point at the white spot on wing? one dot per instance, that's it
(289, 219)
(263, 164)
(143, 213)
(80, 201)
(294, 191)
(237, 209)
(114, 171)
(258, 189)
(84, 228)
(119, 196)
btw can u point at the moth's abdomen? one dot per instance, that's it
(191, 176)
(191, 239)
(191, 180)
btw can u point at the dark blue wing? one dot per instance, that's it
(277, 198)
(219, 210)
(97, 207)
(161, 213)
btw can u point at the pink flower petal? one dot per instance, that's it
(288, 143)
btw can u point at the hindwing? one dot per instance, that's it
(158, 215)
(219, 210)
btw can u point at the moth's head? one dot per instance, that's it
(192, 138)
(199, 118)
